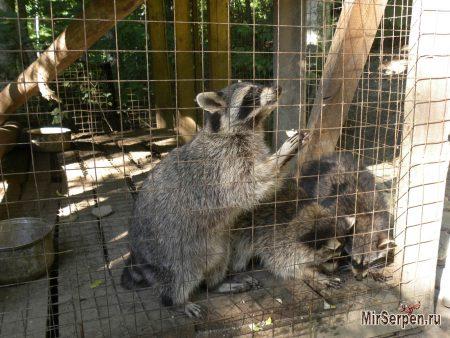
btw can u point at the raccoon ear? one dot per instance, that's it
(210, 101)
(333, 244)
(351, 220)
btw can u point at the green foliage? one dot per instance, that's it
(58, 117)
(126, 47)
(246, 38)
(50, 19)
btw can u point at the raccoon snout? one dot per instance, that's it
(270, 95)
(359, 277)
(359, 274)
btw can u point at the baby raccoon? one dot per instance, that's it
(178, 234)
(348, 190)
(296, 249)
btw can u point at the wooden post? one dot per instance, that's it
(219, 48)
(185, 79)
(99, 17)
(350, 47)
(198, 42)
(162, 87)
(289, 66)
(425, 151)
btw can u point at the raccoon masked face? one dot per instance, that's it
(368, 251)
(239, 106)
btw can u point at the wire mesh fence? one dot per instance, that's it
(149, 165)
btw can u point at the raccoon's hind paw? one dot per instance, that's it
(193, 310)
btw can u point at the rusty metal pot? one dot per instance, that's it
(26, 249)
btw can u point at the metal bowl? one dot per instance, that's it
(51, 139)
(26, 249)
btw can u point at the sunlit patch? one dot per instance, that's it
(119, 237)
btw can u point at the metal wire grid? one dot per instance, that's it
(91, 245)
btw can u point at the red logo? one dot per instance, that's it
(409, 308)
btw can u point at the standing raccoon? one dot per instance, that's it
(349, 191)
(178, 234)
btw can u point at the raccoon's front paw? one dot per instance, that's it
(291, 145)
(252, 283)
(331, 282)
(238, 285)
(193, 310)
(378, 276)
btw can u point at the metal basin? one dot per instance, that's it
(26, 249)
(51, 139)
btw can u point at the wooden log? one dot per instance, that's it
(99, 17)
(350, 47)
(185, 79)
(425, 151)
(163, 92)
(219, 55)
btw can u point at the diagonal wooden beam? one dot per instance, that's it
(350, 47)
(99, 17)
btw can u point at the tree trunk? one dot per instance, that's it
(350, 47)
(219, 44)
(162, 86)
(99, 17)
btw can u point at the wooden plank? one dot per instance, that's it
(355, 32)
(219, 58)
(425, 152)
(185, 73)
(161, 72)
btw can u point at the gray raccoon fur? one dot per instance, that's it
(178, 234)
(348, 189)
(289, 247)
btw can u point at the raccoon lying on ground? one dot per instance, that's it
(295, 249)
(330, 201)
(178, 234)
(348, 190)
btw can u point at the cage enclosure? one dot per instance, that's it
(365, 79)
